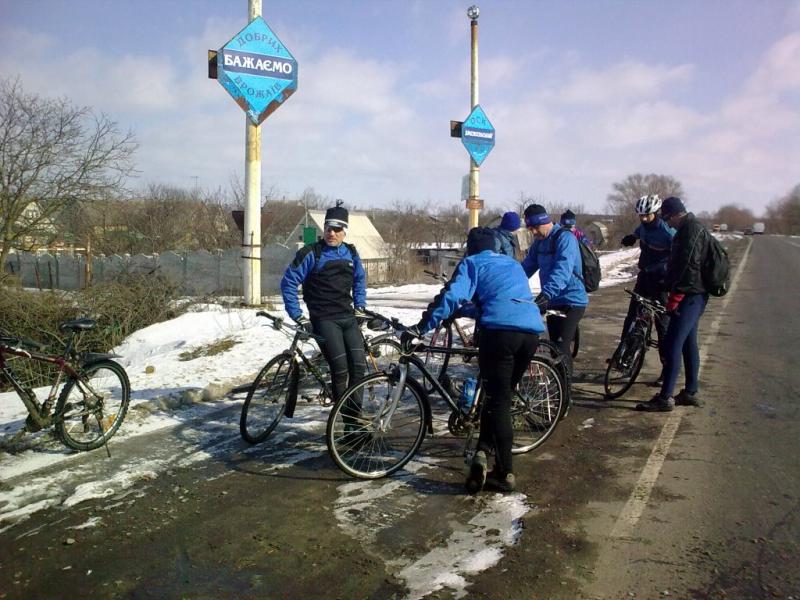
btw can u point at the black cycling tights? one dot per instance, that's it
(343, 348)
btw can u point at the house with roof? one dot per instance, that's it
(372, 249)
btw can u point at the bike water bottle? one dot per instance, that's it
(468, 393)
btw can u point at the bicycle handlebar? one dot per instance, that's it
(279, 323)
(651, 305)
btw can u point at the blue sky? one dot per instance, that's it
(581, 93)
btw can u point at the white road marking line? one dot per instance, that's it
(632, 511)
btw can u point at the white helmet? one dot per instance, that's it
(647, 205)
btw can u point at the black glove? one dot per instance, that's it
(304, 325)
(629, 240)
(359, 312)
(541, 302)
(408, 336)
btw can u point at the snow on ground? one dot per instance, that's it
(168, 389)
(161, 381)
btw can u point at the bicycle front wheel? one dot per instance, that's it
(537, 405)
(624, 366)
(92, 406)
(381, 353)
(576, 342)
(368, 435)
(266, 401)
(436, 362)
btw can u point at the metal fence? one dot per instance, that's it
(196, 273)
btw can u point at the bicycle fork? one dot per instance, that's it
(384, 419)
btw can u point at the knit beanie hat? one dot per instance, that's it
(480, 239)
(672, 206)
(568, 218)
(336, 217)
(536, 214)
(510, 221)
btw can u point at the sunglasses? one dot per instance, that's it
(334, 229)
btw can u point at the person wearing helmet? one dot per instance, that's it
(655, 241)
(511, 325)
(569, 221)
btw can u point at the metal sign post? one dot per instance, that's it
(259, 73)
(476, 132)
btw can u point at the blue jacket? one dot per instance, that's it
(506, 243)
(558, 260)
(655, 241)
(497, 285)
(332, 285)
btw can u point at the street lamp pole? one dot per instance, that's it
(473, 202)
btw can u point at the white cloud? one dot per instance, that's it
(625, 81)
(645, 124)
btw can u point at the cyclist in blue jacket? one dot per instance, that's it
(655, 241)
(333, 281)
(510, 327)
(554, 253)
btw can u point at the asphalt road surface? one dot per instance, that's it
(697, 503)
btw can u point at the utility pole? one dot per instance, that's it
(251, 235)
(473, 202)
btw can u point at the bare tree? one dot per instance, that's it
(734, 216)
(622, 201)
(53, 155)
(784, 214)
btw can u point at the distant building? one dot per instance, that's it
(360, 232)
(597, 233)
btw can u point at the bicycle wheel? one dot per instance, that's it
(576, 342)
(368, 435)
(537, 405)
(382, 352)
(624, 366)
(92, 406)
(436, 362)
(266, 400)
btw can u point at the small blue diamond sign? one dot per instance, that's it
(258, 71)
(477, 135)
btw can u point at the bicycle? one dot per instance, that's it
(628, 358)
(93, 401)
(576, 341)
(274, 392)
(448, 334)
(379, 423)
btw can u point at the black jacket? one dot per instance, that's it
(689, 249)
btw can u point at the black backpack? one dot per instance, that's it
(715, 268)
(590, 264)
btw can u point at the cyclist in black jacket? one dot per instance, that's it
(686, 303)
(333, 281)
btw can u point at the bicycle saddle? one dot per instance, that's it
(81, 324)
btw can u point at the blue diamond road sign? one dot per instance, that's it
(477, 135)
(258, 71)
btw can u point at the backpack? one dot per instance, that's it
(590, 265)
(715, 268)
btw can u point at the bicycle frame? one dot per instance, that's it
(39, 413)
(402, 372)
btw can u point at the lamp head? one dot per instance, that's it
(473, 12)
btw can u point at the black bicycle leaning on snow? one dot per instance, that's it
(628, 358)
(379, 423)
(291, 375)
(91, 391)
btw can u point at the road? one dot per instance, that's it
(698, 503)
